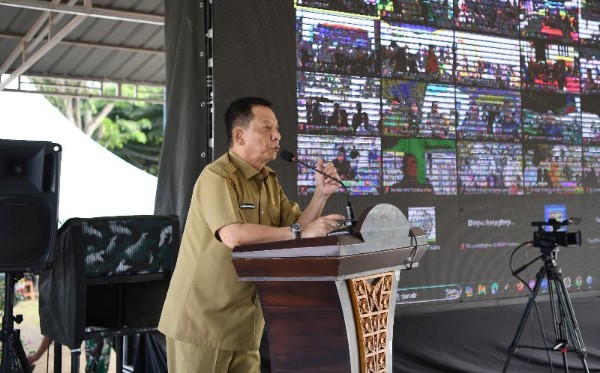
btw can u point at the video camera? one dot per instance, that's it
(549, 240)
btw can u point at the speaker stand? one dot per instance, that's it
(13, 354)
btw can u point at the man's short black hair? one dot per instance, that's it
(239, 113)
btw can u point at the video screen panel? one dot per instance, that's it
(591, 169)
(552, 169)
(549, 67)
(335, 43)
(419, 166)
(488, 114)
(589, 22)
(552, 20)
(471, 163)
(357, 159)
(590, 119)
(416, 52)
(489, 16)
(551, 117)
(589, 64)
(487, 61)
(424, 218)
(338, 104)
(489, 168)
(418, 109)
(366, 7)
(438, 13)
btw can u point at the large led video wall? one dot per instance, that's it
(475, 118)
(480, 119)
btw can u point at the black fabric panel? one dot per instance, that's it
(62, 292)
(151, 356)
(187, 127)
(254, 55)
(477, 339)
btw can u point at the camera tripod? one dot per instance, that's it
(13, 354)
(563, 315)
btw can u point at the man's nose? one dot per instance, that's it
(276, 135)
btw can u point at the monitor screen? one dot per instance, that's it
(487, 61)
(551, 117)
(417, 109)
(416, 52)
(552, 20)
(489, 16)
(488, 114)
(489, 168)
(549, 67)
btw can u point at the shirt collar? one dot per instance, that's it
(247, 169)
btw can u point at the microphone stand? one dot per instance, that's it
(349, 224)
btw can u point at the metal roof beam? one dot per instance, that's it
(41, 52)
(90, 11)
(76, 43)
(26, 43)
(68, 87)
(88, 96)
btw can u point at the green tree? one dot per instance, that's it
(131, 129)
(134, 132)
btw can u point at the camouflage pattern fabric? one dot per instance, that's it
(97, 355)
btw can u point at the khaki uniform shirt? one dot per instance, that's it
(206, 304)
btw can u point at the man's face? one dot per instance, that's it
(411, 166)
(262, 136)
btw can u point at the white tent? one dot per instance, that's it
(93, 181)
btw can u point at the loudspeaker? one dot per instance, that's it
(108, 273)
(29, 187)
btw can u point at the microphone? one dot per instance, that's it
(290, 157)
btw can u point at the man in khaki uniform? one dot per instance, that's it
(213, 321)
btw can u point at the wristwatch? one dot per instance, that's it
(297, 229)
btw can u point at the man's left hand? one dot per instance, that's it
(326, 185)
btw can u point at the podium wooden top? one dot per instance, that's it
(382, 240)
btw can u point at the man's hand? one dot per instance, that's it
(322, 226)
(326, 186)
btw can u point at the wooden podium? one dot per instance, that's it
(329, 302)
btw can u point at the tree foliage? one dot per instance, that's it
(133, 130)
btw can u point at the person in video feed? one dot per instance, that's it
(409, 180)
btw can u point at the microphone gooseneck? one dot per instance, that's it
(290, 157)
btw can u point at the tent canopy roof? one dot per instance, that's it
(111, 42)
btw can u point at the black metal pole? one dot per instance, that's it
(7, 322)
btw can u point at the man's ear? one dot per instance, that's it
(237, 134)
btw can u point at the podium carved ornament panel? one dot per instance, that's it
(371, 302)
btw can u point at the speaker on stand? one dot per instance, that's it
(29, 187)
(108, 279)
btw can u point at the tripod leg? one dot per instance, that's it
(13, 354)
(515, 342)
(568, 316)
(560, 330)
(17, 349)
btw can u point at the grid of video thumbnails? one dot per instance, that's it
(447, 98)
(450, 98)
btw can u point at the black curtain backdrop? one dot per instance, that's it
(185, 149)
(477, 339)
(253, 57)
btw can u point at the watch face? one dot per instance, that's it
(297, 229)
